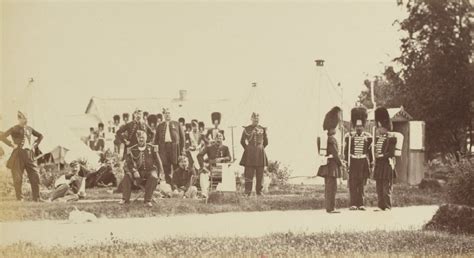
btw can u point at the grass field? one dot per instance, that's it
(291, 197)
(373, 244)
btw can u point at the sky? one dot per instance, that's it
(78, 49)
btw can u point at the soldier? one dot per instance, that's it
(152, 121)
(170, 139)
(183, 179)
(142, 166)
(254, 141)
(22, 157)
(216, 121)
(216, 153)
(334, 163)
(357, 149)
(70, 184)
(159, 119)
(115, 128)
(182, 122)
(384, 170)
(125, 118)
(127, 134)
(100, 141)
(194, 143)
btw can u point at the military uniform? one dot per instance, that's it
(171, 140)
(214, 152)
(359, 170)
(22, 158)
(254, 159)
(384, 170)
(146, 161)
(129, 132)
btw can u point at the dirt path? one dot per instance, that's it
(251, 224)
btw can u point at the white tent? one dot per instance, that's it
(58, 139)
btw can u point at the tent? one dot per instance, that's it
(59, 141)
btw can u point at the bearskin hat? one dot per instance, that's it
(181, 120)
(201, 124)
(358, 114)
(382, 118)
(125, 115)
(216, 116)
(152, 119)
(159, 116)
(332, 118)
(188, 126)
(116, 118)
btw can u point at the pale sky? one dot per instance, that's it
(78, 49)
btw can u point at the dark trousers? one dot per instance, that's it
(149, 178)
(249, 173)
(330, 188)
(32, 171)
(168, 160)
(356, 190)
(384, 193)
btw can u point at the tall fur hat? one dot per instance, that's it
(332, 118)
(358, 116)
(152, 119)
(159, 116)
(116, 118)
(188, 126)
(216, 116)
(382, 118)
(201, 124)
(125, 115)
(181, 120)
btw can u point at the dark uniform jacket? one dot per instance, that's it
(254, 140)
(384, 153)
(129, 132)
(19, 134)
(334, 162)
(143, 161)
(104, 175)
(177, 138)
(213, 152)
(183, 178)
(360, 154)
(213, 131)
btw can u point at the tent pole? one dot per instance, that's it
(233, 146)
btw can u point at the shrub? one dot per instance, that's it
(279, 173)
(453, 218)
(461, 183)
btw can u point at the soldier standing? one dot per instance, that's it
(254, 159)
(142, 165)
(170, 139)
(216, 121)
(127, 134)
(357, 149)
(384, 170)
(22, 157)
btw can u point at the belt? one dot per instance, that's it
(359, 156)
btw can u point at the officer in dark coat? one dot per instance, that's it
(216, 121)
(22, 157)
(384, 170)
(142, 165)
(358, 155)
(216, 153)
(331, 122)
(127, 134)
(254, 159)
(170, 139)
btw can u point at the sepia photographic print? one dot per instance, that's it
(240, 128)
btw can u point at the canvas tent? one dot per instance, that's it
(59, 140)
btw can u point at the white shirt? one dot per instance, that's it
(167, 132)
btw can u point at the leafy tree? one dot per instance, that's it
(436, 82)
(386, 87)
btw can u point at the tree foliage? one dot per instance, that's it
(435, 83)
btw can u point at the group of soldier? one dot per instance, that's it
(362, 157)
(166, 150)
(174, 151)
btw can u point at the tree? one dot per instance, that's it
(386, 87)
(436, 70)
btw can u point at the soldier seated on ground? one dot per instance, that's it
(103, 177)
(68, 186)
(183, 179)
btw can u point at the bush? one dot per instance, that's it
(453, 218)
(461, 183)
(279, 173)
